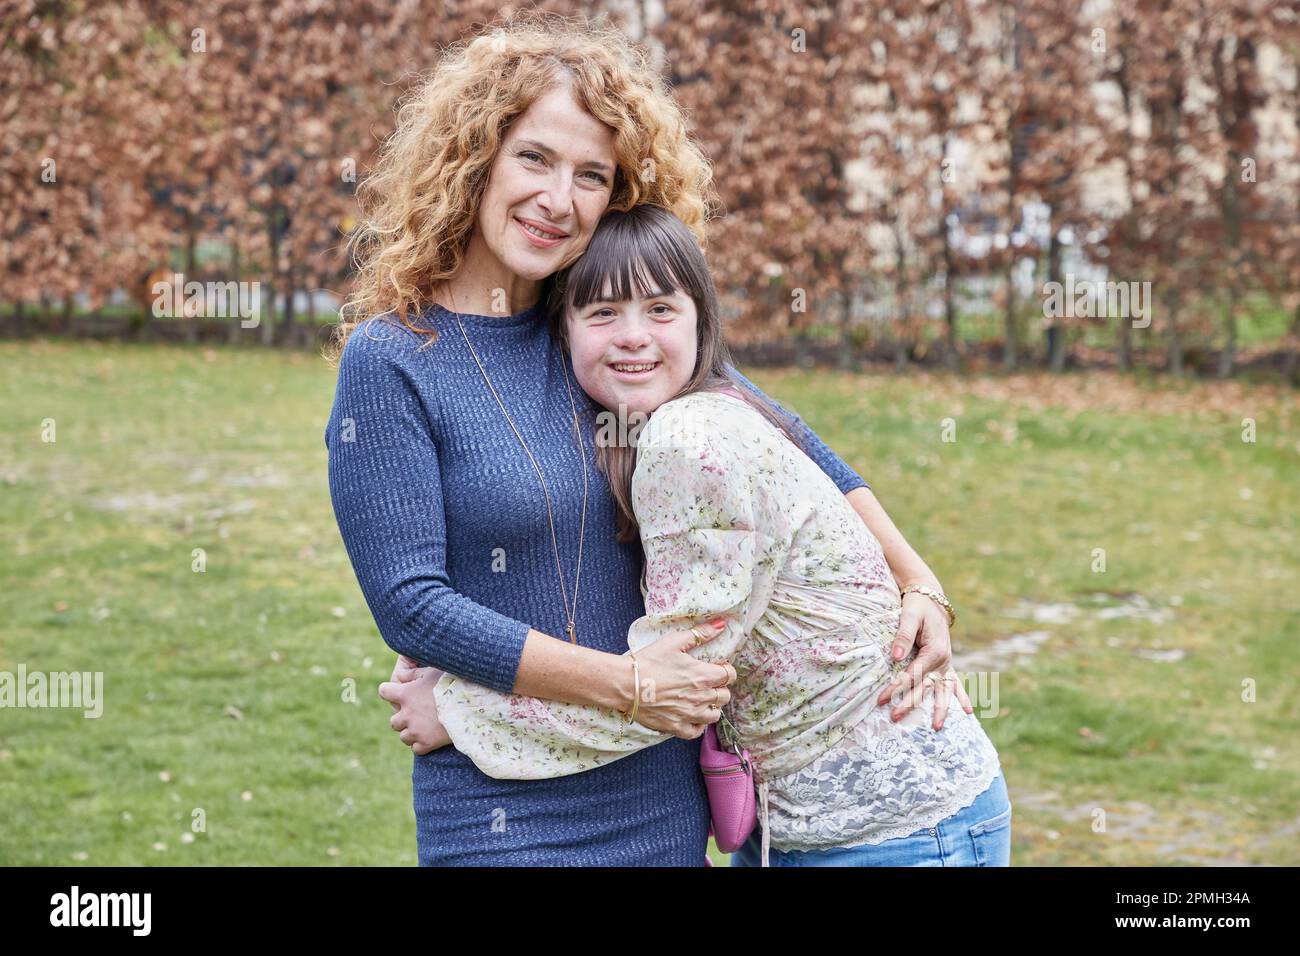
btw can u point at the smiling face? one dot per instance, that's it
(639, 352)
(548, 186)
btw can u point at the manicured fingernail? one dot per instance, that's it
(717, 622)
(898, 653)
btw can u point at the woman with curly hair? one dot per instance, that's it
(460, 466)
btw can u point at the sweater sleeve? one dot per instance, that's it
(710, 550)
(845, 478)
(387, 495)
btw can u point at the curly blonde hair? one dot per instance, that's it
(420, 202)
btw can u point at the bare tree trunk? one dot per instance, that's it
(952, 358)
(288, 328)
(1291, 362)
(191, 322)
(1175, 340)
(1056, 330)
(1124, 344)
(1227, 356)
(273, 246)
(1233, 114)
(1014, 30)
(235, 322)
(312, 335)
(1011, 348)
(269, 306)
(1124, 352)
(803, 357)
(844, 354)
(144, 292)
(900, 298)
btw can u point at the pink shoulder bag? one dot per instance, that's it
(729, 780)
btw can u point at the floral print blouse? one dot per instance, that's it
(737, 521)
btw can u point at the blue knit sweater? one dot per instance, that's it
(445, 524)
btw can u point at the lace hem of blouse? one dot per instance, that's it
(883, 780)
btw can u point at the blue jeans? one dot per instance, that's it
(978, 835)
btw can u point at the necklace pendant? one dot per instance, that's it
(573, 638)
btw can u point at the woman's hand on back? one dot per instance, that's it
(415, 713)
(923, 623)
(679, 694)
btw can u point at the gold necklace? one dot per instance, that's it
(571, 614)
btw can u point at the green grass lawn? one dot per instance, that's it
(1125, 737)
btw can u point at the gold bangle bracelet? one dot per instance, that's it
(636, 688)
(935, 596)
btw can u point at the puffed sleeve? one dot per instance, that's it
(711, 549)
(387, 495)
(845, 478)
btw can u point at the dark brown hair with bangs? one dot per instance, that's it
(640, 253)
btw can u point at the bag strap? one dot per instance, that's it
(728, 736)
